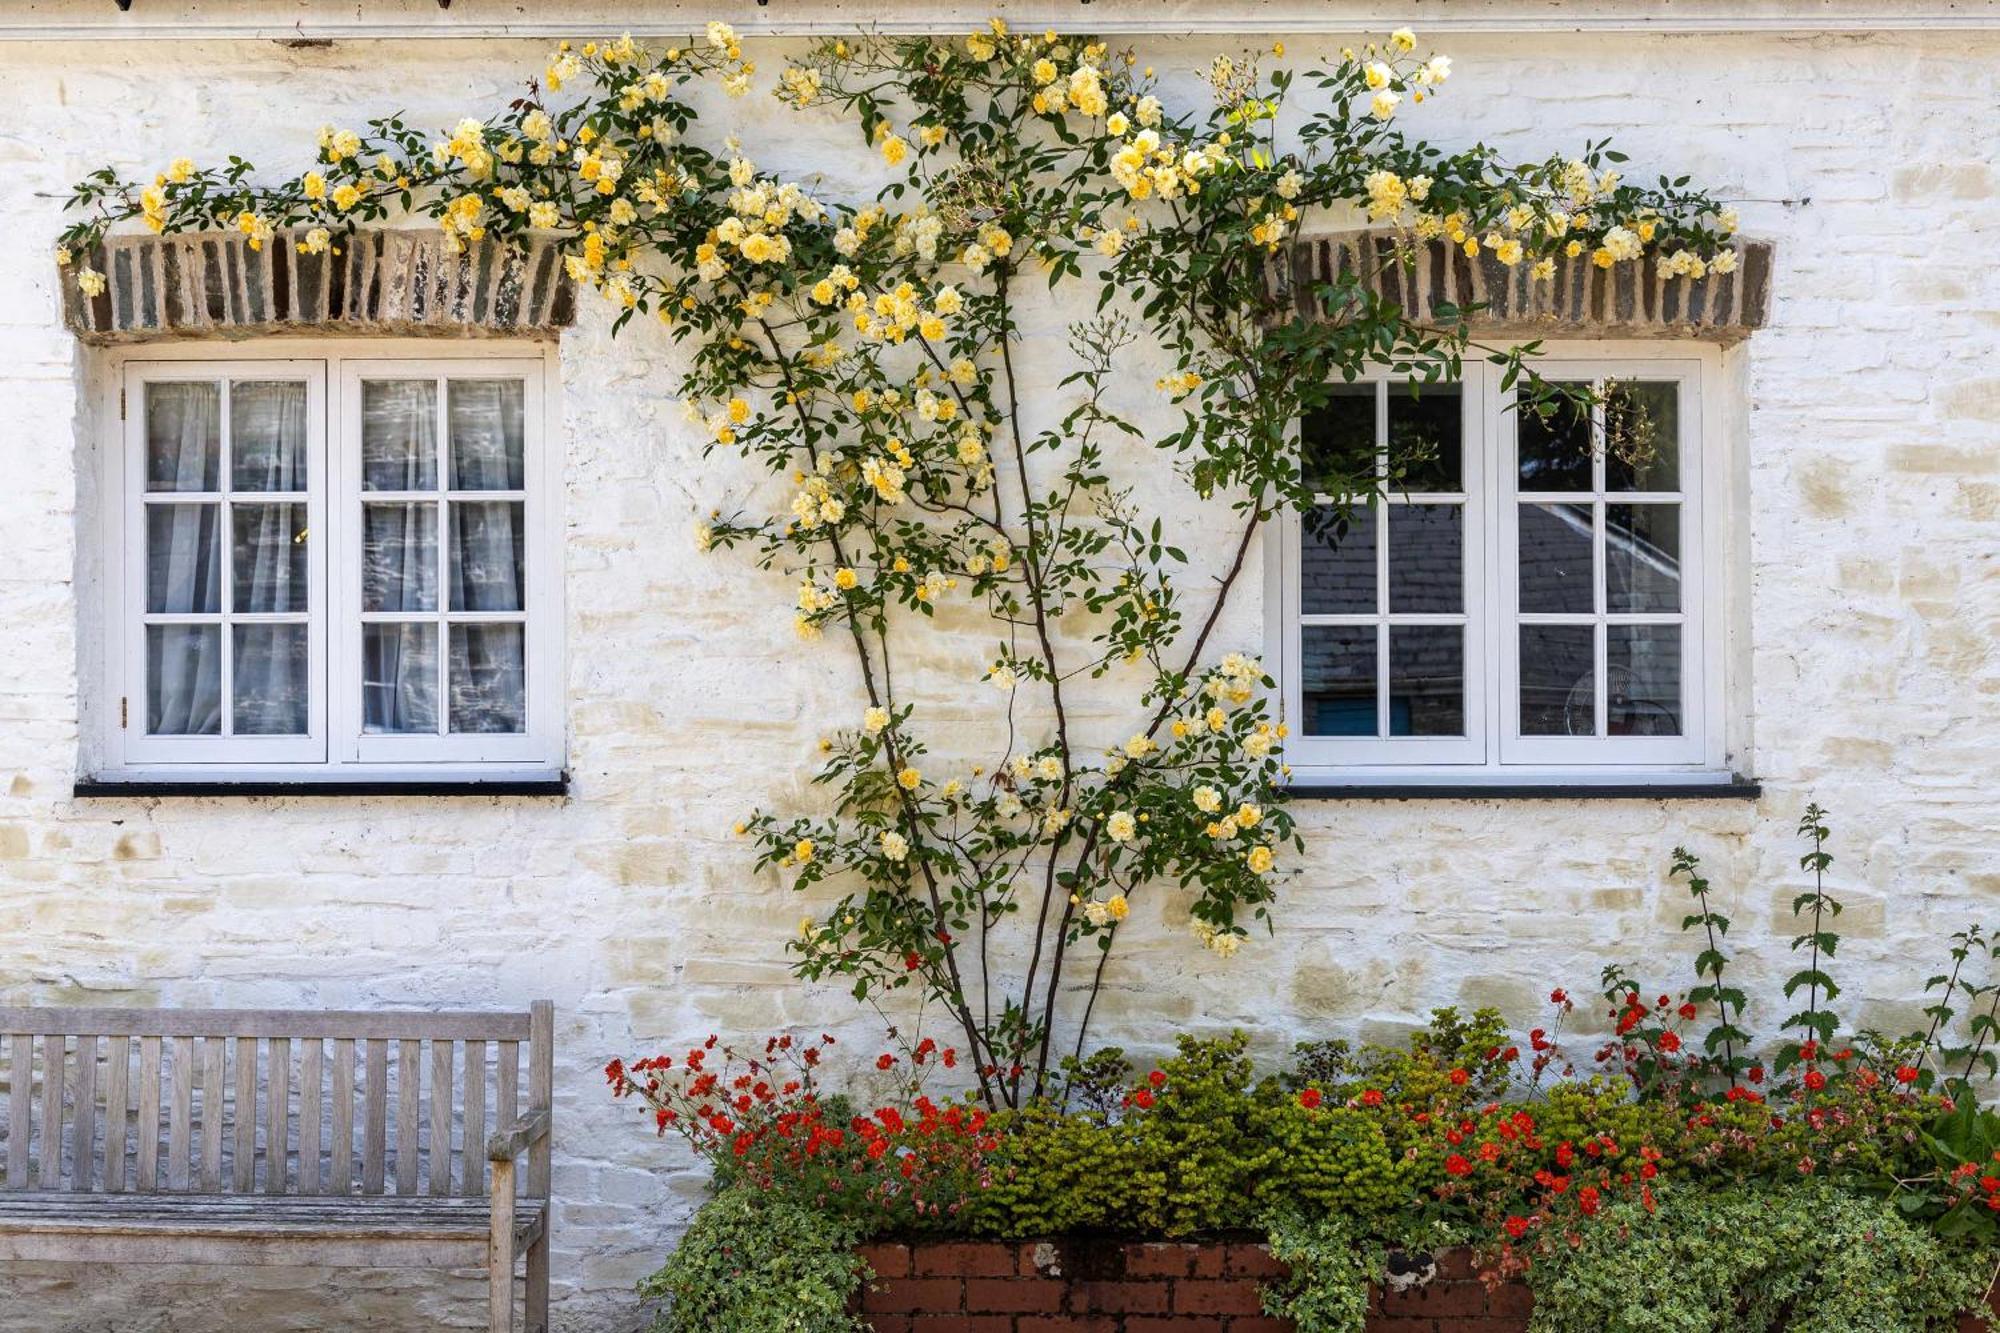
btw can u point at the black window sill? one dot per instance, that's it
(91, 789)
(1739, 790)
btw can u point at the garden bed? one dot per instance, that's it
(1101, 1284)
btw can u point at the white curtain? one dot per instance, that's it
(486, 568)
(183, 559)
(399, 450)
(268, 453)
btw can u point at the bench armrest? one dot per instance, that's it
(515, 1139)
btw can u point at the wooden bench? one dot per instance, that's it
(318, 1139)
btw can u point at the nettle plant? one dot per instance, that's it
(868, 353)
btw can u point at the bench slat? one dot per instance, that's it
(146, 1122)
(278, 1117)
(409, 1088)
(472, 1161)
(54, 1058)
(453, 1025)
(441, 1053)
(20, 1106)
(375, 1118)
(343, 1116)
(312, 1075)
(244, 1175)
(214, 1100)
(83, 1122)
(117, 1110)
(180, 1113)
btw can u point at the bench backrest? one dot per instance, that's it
(260, 1101)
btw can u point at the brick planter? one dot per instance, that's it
(1108, 1285)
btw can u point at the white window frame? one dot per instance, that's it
(1493, 753)
(335, 750)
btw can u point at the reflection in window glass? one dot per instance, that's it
(399, 678)
(1555, 451)
(488, 679)
(1337, 442)
(1556, 575)
(1426, 680)
(268, 557)
(1338, 676)
(1425, 450)
(268, 680)
(184, 559)
(1642, 670)
(1558, 680)
(267, 435)
(1337, 562)
(1642, 557)
(398, 435)
(486, 442)
(1426, 558)
(183, 680)
(1641, 436)
(183, 436)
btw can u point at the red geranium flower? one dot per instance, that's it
(1517, 1227)
(1371, 1097)
(1457, 1165)
(1459, 1078)
(1310, 1099)
(1906, 1074)
(1815, 1080)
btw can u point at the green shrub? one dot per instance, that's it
(755, 1261)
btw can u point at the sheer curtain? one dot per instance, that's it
(399, 453)
(183, 559)
(268, 453)
(487, 661)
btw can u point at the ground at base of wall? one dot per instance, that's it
(1108, 1285)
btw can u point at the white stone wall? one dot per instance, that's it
(1869, 580)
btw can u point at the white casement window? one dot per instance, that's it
(1529, 602)
(334, 567)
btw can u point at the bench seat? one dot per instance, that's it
(367, 1232)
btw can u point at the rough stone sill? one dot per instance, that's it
(92, 789)
(1739, 790)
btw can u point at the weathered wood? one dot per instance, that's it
(146, 1119)
(180, 1114)
(507, 1095)
(510, 1141)
(389, 1024)
(474, 1181)
(500, 1251)
(214, 1098)
(117, 1110)
(541, 1158)
(243, 1176)
(83, 1124)
(409, 1091)
(20, 1107)
(54, 1057)
(312, 1074)
(375, 1118)
(341, 1160)
(441, 1103)
(278, 1121)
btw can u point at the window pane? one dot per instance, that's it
(1642, 668)
(1424, 437)
(487, 556)
(1642, 437)
(1426, 558)
(183, 558)
(267, 435)
(268, 680)
(398, 435)
(488, 679)
(1337, 442)
(183, 680)
(399, 568)
(1338, 680)
(1555, 453)
(1426, 680)
(1558, 680)
(1642, 557)
(485, 419)
(1337, 562)
(399, 671)
(269, 557)
(1555, 572)
(183, 436)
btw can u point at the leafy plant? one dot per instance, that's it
(1726, 1043)
(756, 1262)
(1815, 1020)
(1326, 1290)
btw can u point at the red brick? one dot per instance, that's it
(1249, 1260)
(1120, 1297)
(965, 1259)
(1007, 1295)
(1399, 1324)
(1068, 1323)
(1257, 1323)
(1211, 1261)
(1455, 1265)
(961, 1323)
(1229, 1296)
(927, 1294)
(889, 1323)
(1481, 1324)
(1025, 1256)
(886, 1258)
(1177, 1323)
(1162, 1259)
(1437, 1299)
(1510, 1300)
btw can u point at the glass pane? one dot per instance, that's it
(1642, 672)
(1642, 437)
(183, 680)
(184, 558)
(1424, 435)
(1426, 558)
(183, 436)
(1337, 562)
(1555, 573)
(486, 556)
(398, 435)
(269, 557)
(399, 568)
(1337, 442)
(1555, 453)
(1338, 680)
(268, 680)
(1642, 558)
(267, 435)
(1426, 680)
(399, 666)
(485, 419)
(488, 678)
(1558, 680)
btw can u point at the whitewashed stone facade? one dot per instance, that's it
(1864, 584)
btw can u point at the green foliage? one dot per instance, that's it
(1727, 1043)
(1327, 1289)
(754, 1261)
(1817, 1021)
(1804, 1258)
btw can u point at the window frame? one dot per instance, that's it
(118, 751)
(1499, 756)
